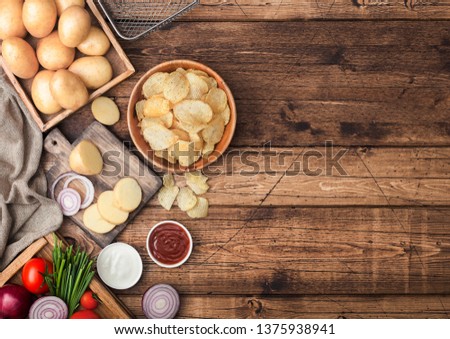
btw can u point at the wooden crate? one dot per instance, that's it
(122, 69)
(110, 308)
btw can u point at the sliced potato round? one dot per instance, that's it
(159, 137)
(94, 221)
(156, 106)
(200, 210)
(197, 87)
(127, 194)
(109, 211)
(105, 111)
(176, 87)
(214, 131)
(217, 100)
(167, 196)
(194, 112)
(154, 84)
(186, 199)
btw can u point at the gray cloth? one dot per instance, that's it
(26, 213)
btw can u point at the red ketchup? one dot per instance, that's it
(169, 244)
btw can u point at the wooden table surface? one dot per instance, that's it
(373, 78)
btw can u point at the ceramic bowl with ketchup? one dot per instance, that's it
(169, 244)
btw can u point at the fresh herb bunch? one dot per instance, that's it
(72, 274)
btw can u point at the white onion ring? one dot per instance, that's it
(49, 307)
(88, 185)
(161, 302)
(72, 206)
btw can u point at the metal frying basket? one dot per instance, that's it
(132, 19)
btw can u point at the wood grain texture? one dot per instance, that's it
(118, 163)
(302, 83)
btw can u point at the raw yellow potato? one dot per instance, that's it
(94, 221)
(156, 106)
(105, 111)
(20, 58)
(96, 43)
(194, 112)
(86, 159)
(159, 137)
(167, 196)
(68, 90)
(62, 5)
(127, 194)
(196, 181)
(176, 87)
(39, 17)
(40, 92)
(217, 100)
(52, 54)
(200, 210)
(154, 84)
(197, 87)
(95, 71)
(109, 211)
(140, 109)
(11, 24)
(214, 131)
(74, 26)
(186, 199)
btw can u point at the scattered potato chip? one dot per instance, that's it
(226, 114)
(183, 135)
(197, 87)
(217, 100)
(214, 131)
(159, 137)
(156, 106)
(208, 148)
(194, 112)
(140, 109)
(186, 199)
(196, 181)
(200, 210)
(154, 84)
(211, 82)
(168, 180)
(167, 196)
(176, 87)
(197, 72)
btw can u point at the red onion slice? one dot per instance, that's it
(161, 302)
(48, 308)
(88, 185)
(58, 179)
(70, 201)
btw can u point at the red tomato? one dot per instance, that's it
(89, 300)
(32, 275)
(85, 314)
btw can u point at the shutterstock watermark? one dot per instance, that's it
(323, 160)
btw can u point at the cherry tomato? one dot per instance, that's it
(85, 314)
(32, 275)
(89, 300)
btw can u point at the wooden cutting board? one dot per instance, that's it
(118, 163)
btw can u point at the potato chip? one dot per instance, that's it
(181, 70)
(156, 106)
(183, 135)
(197, 87)
(176, 87)
(197, 140)
(211, 82)
(193, 112)
(164, 154)
(197, 72)
(140, 109)
(168, 180)
(226, 114)
(165, 120)
(200, 210)
(191, 128)
(217, 100)
(208, 148)
(214, 131)
(184, 152)
(159, 137)
(196, 181)
(167, 196)
(186, 199)
(154, 84)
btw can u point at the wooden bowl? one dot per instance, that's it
(145, 148)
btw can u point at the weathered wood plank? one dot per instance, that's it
(301, 306)
(302, 83)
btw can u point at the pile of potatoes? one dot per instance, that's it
(59, 81)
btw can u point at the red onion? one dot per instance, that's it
(15, 301)
(161, 302)
(70, 201)
(49, 308)
(58, 179)
(88, 185)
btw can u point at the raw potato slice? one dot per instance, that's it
(186, 199)
(159, 137)
(200, 210)
(214, 131)
(156, 106)
(94, 221)
(226, 114)
(217, 100)
(105, 111)
(197, 182)
(197, 86)
(176, 87)
(167, 196)
(154, 84)
(109, 211)
(168, 180)
(127, 194)
(194, 112)
(140, 109)
(86, 159)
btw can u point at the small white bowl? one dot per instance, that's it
(119, 266)
(190, 247)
